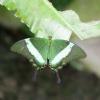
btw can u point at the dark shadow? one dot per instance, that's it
(61, 4)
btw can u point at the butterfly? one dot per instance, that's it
(47, 52)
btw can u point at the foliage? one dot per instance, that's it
(40, 16)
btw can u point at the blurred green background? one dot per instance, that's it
(16, 72)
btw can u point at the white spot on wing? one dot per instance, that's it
(34, 51)
(62, 54)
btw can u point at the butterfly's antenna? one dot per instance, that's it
(58, 77)
(35, 76)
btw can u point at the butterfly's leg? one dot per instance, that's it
(35, 76)
(58, 77)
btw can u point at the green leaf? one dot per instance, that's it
(39, 15)
(7, 19)
(44, 20)
(81, 29)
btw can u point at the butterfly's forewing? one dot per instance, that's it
(34, 49)
(21, 48)
(67, 52)
(75, 54)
